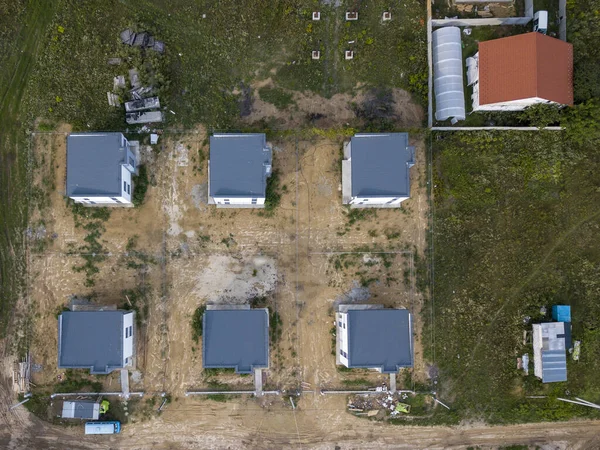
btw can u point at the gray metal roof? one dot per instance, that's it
(94, 164)
(238, 165)
(91, 339)
(380, 338)
(80, 409)
(235, 339)
(380, 165)
(554, 366)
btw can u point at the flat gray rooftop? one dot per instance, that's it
(380, 338)
(380, 165)
(238, 164)
(91, 340)
(236, 339)
(94, 164)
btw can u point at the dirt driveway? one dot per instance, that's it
(320, 424)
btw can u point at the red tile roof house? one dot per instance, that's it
(515, 72)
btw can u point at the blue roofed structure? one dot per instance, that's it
(101, 341)
(561, 313)
(374, 338)
(376, 170)
(239, 166)
(550, 343)
(235, 338)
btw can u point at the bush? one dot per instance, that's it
(140, 185)
(272, 196)
(274, 326)
(197, 322)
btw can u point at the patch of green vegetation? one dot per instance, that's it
(228, 241)
(356, 382)
(140, 185)
(215, 372)
(354, 215)
(137, 300)
(333, 333)
(276, 96)
(515, 224)
(275, 326)
(583, 31)
(77, 381)
(272, 195)
(197, 324)
(92, 252)
(221, 398)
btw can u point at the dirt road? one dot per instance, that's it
(320, 423)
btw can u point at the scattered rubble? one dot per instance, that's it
(379, 406)
(143, 39)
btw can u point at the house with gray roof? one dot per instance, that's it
(100, 167)
(376, 170)
(238, 168)
(235, 338)
(101, 341)
(551, 340)
(372, 337)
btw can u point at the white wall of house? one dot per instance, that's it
(377, 200)
(342, 333)
(128, 342)
(239, 201)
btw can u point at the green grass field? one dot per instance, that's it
(21, 38)
(515, 228)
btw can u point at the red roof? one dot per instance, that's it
(524, 66)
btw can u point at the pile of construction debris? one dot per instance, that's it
(22, 375)
(378, 406)
(143, 40)
(143, 107)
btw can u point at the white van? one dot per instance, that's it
(102, 427)
(540, 22)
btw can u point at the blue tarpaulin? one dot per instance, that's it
(561, 313)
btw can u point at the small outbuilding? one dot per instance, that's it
(239, 167)
(551, 340)
(376, 170)
(235, 338)
(512, 73)
(372, 337)
(81, 409)
(101, 341)
(100, 167)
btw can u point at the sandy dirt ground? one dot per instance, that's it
(324, 113)
(194, 254)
